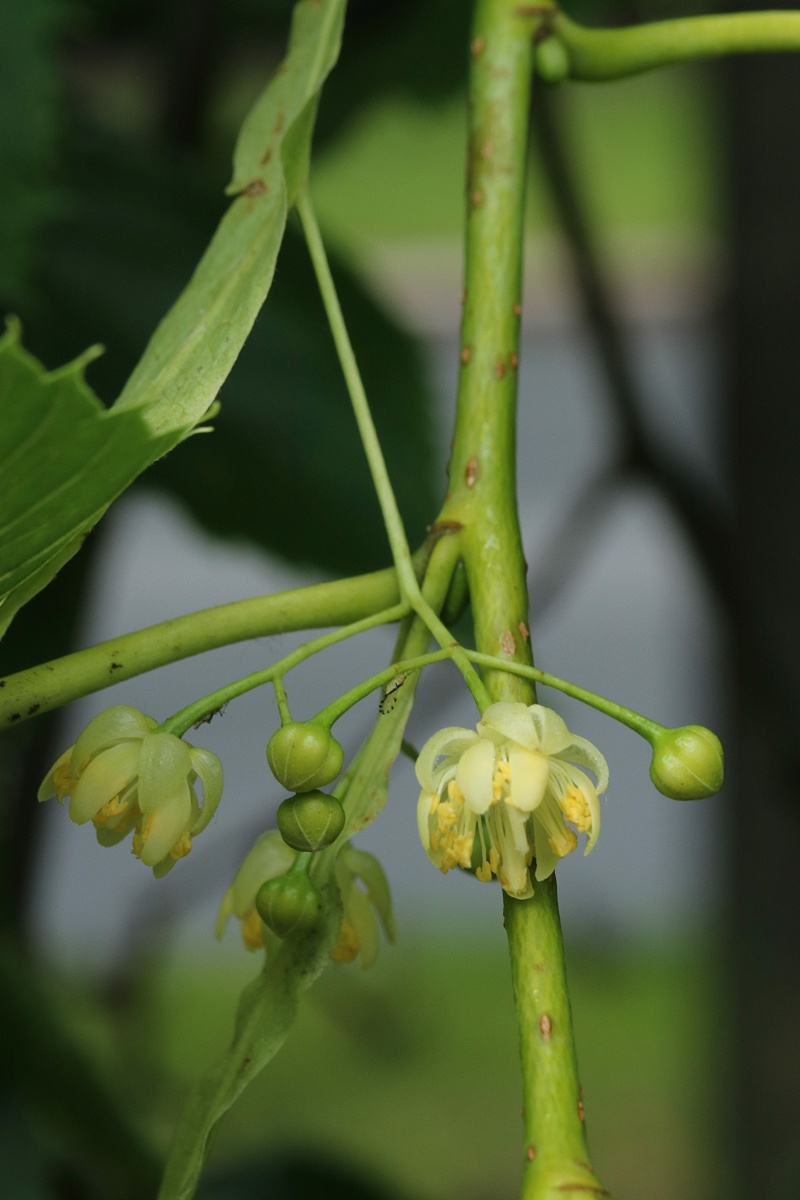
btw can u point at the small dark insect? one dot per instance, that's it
(389, 699)
(210, 716)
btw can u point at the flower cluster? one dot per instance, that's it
(271, 858)
(496, 799)
(124, 774)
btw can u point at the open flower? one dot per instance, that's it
(123, 774)
(358, 935)
(513, 792)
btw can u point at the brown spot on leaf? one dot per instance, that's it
(34, 708)
(15, 716)
(266, 156)
(280, 123)
(256, 187)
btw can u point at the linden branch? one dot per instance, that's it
(482, 498)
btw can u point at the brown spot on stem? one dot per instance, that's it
(517, 310)
(581, 1111)
(477, 199)
(508, 645)
(501, 369)
(579, 1163)
(513, 360)
(477, 46)
(115, 667)
(486, 149)
(530, 1153)
(524, 631)
(471, 473)
(34, 708)
(15, 716)
(545, 1027)
(466, 355)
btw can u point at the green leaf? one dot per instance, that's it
(63, 457)
(66, 458)
(286, 440)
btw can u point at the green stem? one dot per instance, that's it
(337, 708)
(49, 685)
(482, 499)
(282, 701)
(198, 710)
(556, 1155)
(599, 54)
(646, 728)
(372, 447)
(482, 493)
(358, 397)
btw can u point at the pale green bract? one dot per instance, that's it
(63, 456)
(496, 798)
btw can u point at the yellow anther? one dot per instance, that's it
(575, 808)
(454, 793)
(137, 845)
(181, 847)
(563, 844)
(494, 859)
(252, 930)
(446, 817)
(64, 780)
(484, 872)
(346, 947)
(435, 802)
(112, 808)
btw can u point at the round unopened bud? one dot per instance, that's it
(688, 763)
(289, 904)
(303, 755)
(552, 60)
(310, 821)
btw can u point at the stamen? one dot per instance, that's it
(252, 930)
(181, 847)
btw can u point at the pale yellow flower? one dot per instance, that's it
(123, 774)
(268, 858)
(513, 792)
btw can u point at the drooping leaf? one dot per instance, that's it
(286, 441)
(187, 358)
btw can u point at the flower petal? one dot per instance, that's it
(448, 744)
(475, 775)
(509, 721)
(358, 911)
(208, 769)
(366, 867)
(546, 858)
(49, 786)
(164, 764)
(424, 805)
(166, 825)
(583, 753)
(104, 778)
(551, 730)
(268, 858)
(530, 772)
(115, 724)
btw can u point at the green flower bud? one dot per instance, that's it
(310, 821)
(688, 763)
(552, 60)
(289, 904)
(304, 755)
